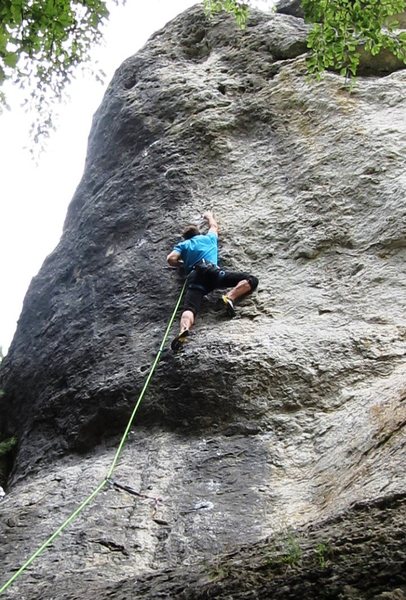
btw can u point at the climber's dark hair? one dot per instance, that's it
(190, 231)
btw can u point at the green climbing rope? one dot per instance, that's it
(101, 485)
(148, 379)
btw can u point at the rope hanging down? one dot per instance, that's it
(106, 480)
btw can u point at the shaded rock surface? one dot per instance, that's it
(290, 7)
(285, 419)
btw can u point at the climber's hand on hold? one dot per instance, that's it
(213, 225)
(173, 259)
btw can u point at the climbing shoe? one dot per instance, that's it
(230, 310)
(179, 340)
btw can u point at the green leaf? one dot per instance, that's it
(11, 59)
(16, 9)
(7, 445)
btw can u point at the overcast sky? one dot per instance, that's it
(34, 198)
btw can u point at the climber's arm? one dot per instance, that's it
(213, 225)
(174, 259)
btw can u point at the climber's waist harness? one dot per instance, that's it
(204, 276)
(203, 267)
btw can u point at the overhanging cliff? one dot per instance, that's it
(284, 421)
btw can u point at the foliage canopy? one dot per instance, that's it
(42, 42)
(340, 29)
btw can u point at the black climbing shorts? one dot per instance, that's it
(203, 281)
(193, 299)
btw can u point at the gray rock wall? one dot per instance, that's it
(287, 417)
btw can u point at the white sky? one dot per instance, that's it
(34, 198)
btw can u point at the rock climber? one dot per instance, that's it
(198, 254)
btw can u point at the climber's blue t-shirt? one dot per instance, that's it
(198, 247)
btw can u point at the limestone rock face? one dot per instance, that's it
(285, 423)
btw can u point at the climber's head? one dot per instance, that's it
(190, 231)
